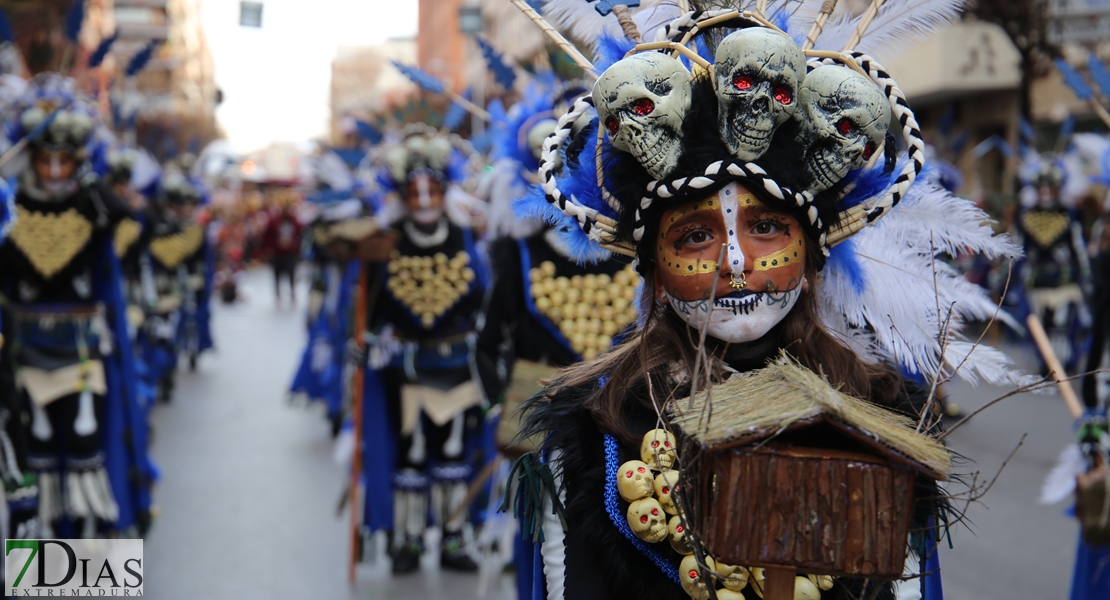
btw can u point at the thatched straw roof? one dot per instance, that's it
(751, 407)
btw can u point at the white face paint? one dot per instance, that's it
(422, 189)
(737, 318)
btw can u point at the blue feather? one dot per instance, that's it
(74, 18)
(844, 261)
(368, 132)
(503, 73)
(102, 50)
(1074, 80)
(7, 34)
(535, 100)
(420, 77)
(141, 58)
(958, 144)
(455, 114)
(610, 49)
(1067, 127)
(1099, 74)
(982, 148)
(868, 183)
(534, 206)
(1028, 134)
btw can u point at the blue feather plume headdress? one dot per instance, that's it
(51, 113)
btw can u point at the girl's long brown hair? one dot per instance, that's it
(666, 342)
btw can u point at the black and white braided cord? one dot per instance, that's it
(721, 171)
(595, 225)
(911, 132)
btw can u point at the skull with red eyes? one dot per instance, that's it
(657, 449)
(642, 101)
(757, 75)
(843, 119)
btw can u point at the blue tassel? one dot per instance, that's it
(420, 77)
(102, 50)
(7, 34)
(843, 259)
(1074, 80)
(503, 73)
(74, 18)
(139, 61)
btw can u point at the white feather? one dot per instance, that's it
(899, 22)
(1060, 482)
(580, 21)
(904, 303)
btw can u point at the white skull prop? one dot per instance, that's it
(757, 578)
(647, 520)
(634, 481)
(844, 118)
(732, 577)
(727, 594)
(642, 101)
(757, 74)
(537, 134)
(665, 485)
(676, 532)
(805, 589)
(689, 572)
(657, 449)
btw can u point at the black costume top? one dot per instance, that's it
(49, 255)
(512, 328)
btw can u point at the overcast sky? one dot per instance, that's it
(275, 79)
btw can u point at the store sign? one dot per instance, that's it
(1078, 21)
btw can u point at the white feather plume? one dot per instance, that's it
(580, 21)
(1060, 482)
(898, 23)
(900, 311)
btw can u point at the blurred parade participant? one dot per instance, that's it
(768, 252)
(1056, 265)
(66, 322)
(281, 244)
(339, 221)
(423, 304)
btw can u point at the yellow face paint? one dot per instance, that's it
(790, 255)
(687, 266)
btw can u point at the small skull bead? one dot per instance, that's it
(647, 520)
(689, 572)
(634, 481)
(657, 449)
(665, 485)
(823, 582)
(804, 589)
(732, 577)
(757, 578)
(676, 533)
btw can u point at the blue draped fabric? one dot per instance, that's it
(1091, 578)
(379, 454)
(326, 385)
(124, 427)
(204, 300)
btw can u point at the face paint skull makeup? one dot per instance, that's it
(424, 199)
(759, 246)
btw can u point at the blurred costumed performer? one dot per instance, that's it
(424, 302)
(69, 351)
(779, 237)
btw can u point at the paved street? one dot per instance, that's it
(249, 490)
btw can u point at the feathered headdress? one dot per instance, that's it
(51, 113)
(712, 97)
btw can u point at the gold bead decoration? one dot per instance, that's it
(429, 285)
(588, 309)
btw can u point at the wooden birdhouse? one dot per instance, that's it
(796, 474)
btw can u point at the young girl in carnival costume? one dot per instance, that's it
(779, 234)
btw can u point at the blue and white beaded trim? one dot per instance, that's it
(613, 508)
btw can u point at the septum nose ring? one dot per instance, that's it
(738, 285)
